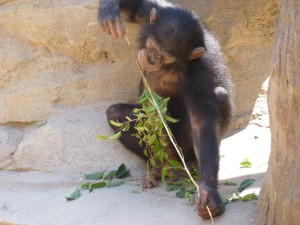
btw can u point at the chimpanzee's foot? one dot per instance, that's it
(150, 180)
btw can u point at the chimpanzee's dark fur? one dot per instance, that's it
(200, 89)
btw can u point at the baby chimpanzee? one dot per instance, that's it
(182, 61)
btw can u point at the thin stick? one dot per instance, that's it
(177, 148)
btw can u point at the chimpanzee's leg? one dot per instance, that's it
(118, 112)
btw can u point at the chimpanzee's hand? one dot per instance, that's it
(211, 198)
(109, 18)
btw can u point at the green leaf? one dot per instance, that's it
(164, 142)
(171, 119)
(175, 164)
(101, 137)
(135, 135)
(151, 109)
(246, 163)
(86, 185)
(146, 153)
(122, 171)
(245, 183)
(172, 186)
(115, 184)
(164, 102)
(115, 123)
(190, 194)
(192, 190)
(234, 197)
(139, 124)
(142, 100)
(196, 177)
(225, 201)
(195, 173)
(75, 195)
(139, 128)
(135, 191)
(110, 175)
(152, 139)
(94, 176)
(115, 136)
(99, 185)
(140, 116)
(249, 197)
(230, 183)
(160, 155)
(126, 128)
(163, 174)
(41, 124)
(141, 143)
(153, 162)
(181, 193)
(157, 97)
(143, 96)
(164, 110)
(192, 198)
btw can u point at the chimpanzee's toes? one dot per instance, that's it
(149, 181)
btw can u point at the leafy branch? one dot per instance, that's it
(151, 133)
(236, 196)
(107, 181)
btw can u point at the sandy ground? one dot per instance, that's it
(36, 198)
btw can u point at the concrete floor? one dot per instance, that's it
(35, 198)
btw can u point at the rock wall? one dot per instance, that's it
(58, 74)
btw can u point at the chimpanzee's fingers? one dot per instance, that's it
(113, 31)
(102, 28)
(146, 183)
(153, 181)
(110, 25)
(202, 201)
(204, 198)
(113, 27)
(120, 28)
(107, 27)
(198, 204)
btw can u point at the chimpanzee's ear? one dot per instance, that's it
(197, 53)
(153, 15)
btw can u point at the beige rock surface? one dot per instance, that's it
(57, 70)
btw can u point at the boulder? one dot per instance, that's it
(58, 75)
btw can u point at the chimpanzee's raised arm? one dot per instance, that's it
(139, 10)
(133, 11)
